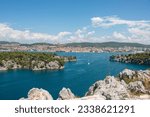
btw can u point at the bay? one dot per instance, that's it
(78, 76)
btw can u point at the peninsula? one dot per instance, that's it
(33, 61)
(138, 58)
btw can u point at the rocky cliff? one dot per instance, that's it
(127, 85)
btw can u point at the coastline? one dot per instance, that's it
(136, 58)
(33, 61)
(124, 87)
(56, 79)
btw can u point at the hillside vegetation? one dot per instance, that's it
(107, 44)
(138, 58)
(34, 61)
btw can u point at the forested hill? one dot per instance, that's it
(86, 44)
(107, 44)
(6, 42)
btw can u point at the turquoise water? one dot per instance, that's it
(78, 76)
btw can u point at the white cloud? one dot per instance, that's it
(118, 35)
(136, 31)
(112, 21)
(26, 36)
(63, 34)
(96, 21)
(91, 33)
(133, 31)
(140, 32)
(140, 35)
(82, 35)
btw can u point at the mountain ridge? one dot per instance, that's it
(108, 44)
(85, 44)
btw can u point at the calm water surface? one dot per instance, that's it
(78, 76)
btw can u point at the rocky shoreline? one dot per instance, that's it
(41, 65)
(33, 61)
(128, 85)
(138, 58)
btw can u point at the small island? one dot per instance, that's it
(33, 61)
(138, 58)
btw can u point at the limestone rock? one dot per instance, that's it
(41, 65)
(141, 74)
(35, 68)
(110, 88)
(93, 97)
(136, 87)
(3, 68)
(66, 94)
(124, 83)
(126, 73)
(131, 76)
(38, 94)
(9, 64)
(53, 65)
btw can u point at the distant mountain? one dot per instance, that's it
(41, 44)
(37, 44)
(107, 44)
(6, 42)
(86, 44)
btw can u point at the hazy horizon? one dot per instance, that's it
(75, 42)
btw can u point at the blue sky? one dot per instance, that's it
(62, 21)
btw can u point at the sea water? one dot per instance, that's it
(78, 76)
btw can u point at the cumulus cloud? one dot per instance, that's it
(82, 35)
(96, 21)
(91, 33)
(118, 35)
(139, 30)
(8, 33)
(131, 31)
(112, 21)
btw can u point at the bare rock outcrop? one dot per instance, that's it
(131, 76)
(126, 73)
(66, 94)
(127, 86)
(38, 94)
(110, 88)
(92, 97)
(136, 87)
(41, 65)
(53, 65)
(9, 65)
(3, 68)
